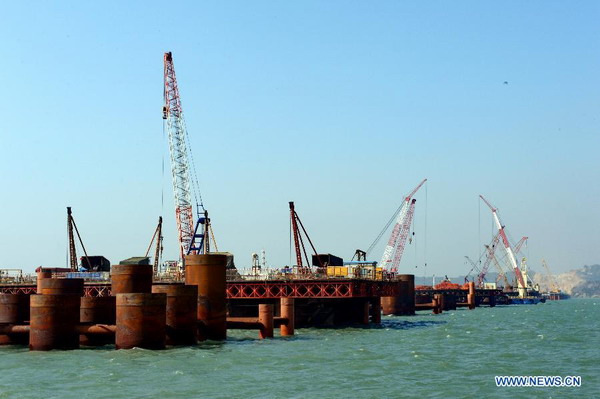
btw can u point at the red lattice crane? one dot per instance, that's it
(190, 239)
(299, 242)
(490, 249)
(395, 247)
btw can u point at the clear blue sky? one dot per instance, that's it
(340, 106)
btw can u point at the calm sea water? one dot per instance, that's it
(456, 354)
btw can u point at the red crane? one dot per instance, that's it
(490, 249)
(299, 242)
(395, 247)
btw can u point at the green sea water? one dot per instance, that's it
(455, 354)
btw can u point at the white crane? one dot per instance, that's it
(522, 287)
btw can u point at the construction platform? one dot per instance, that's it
(244, 289)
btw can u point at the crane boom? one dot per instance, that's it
(296, 234)
(386, 259)
(173, 113)
(402, 237)
(521, 284)
(397, 239)
(72, 227)
(520, 244)
(490, 249)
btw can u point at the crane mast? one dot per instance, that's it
(403, 235)
(392, 253)
(522, 287)
(296, 234)
(299, 243)
(71, 229)
(490, 249)
(180, 167)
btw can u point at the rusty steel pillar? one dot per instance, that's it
(141, 319)
(376, 310)
(287, 311)
(265, 318)
(471, 295)
(442, 301)
(14, 309)
(492, 300)
(97, 310)
(40, 276)
(207, 272)
(404, 303)
(129, 279)
(435, 304)
(61, 286)
(389, 305)
(54, 320)
(182, 313)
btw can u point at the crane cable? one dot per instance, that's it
(212, 236)
(388, 224)
(195, 183)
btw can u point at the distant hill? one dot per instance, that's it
(580, 283)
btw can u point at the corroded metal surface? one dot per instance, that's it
(127, 279)
(207, 272)
(182, 313)
(141, 320)
(403, 303)
(97, 310)
(40, 276)
(61, 286)
(265, 318)
(14, 309)
(287, 311)
(54, 320)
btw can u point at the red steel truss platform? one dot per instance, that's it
(327, 288)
